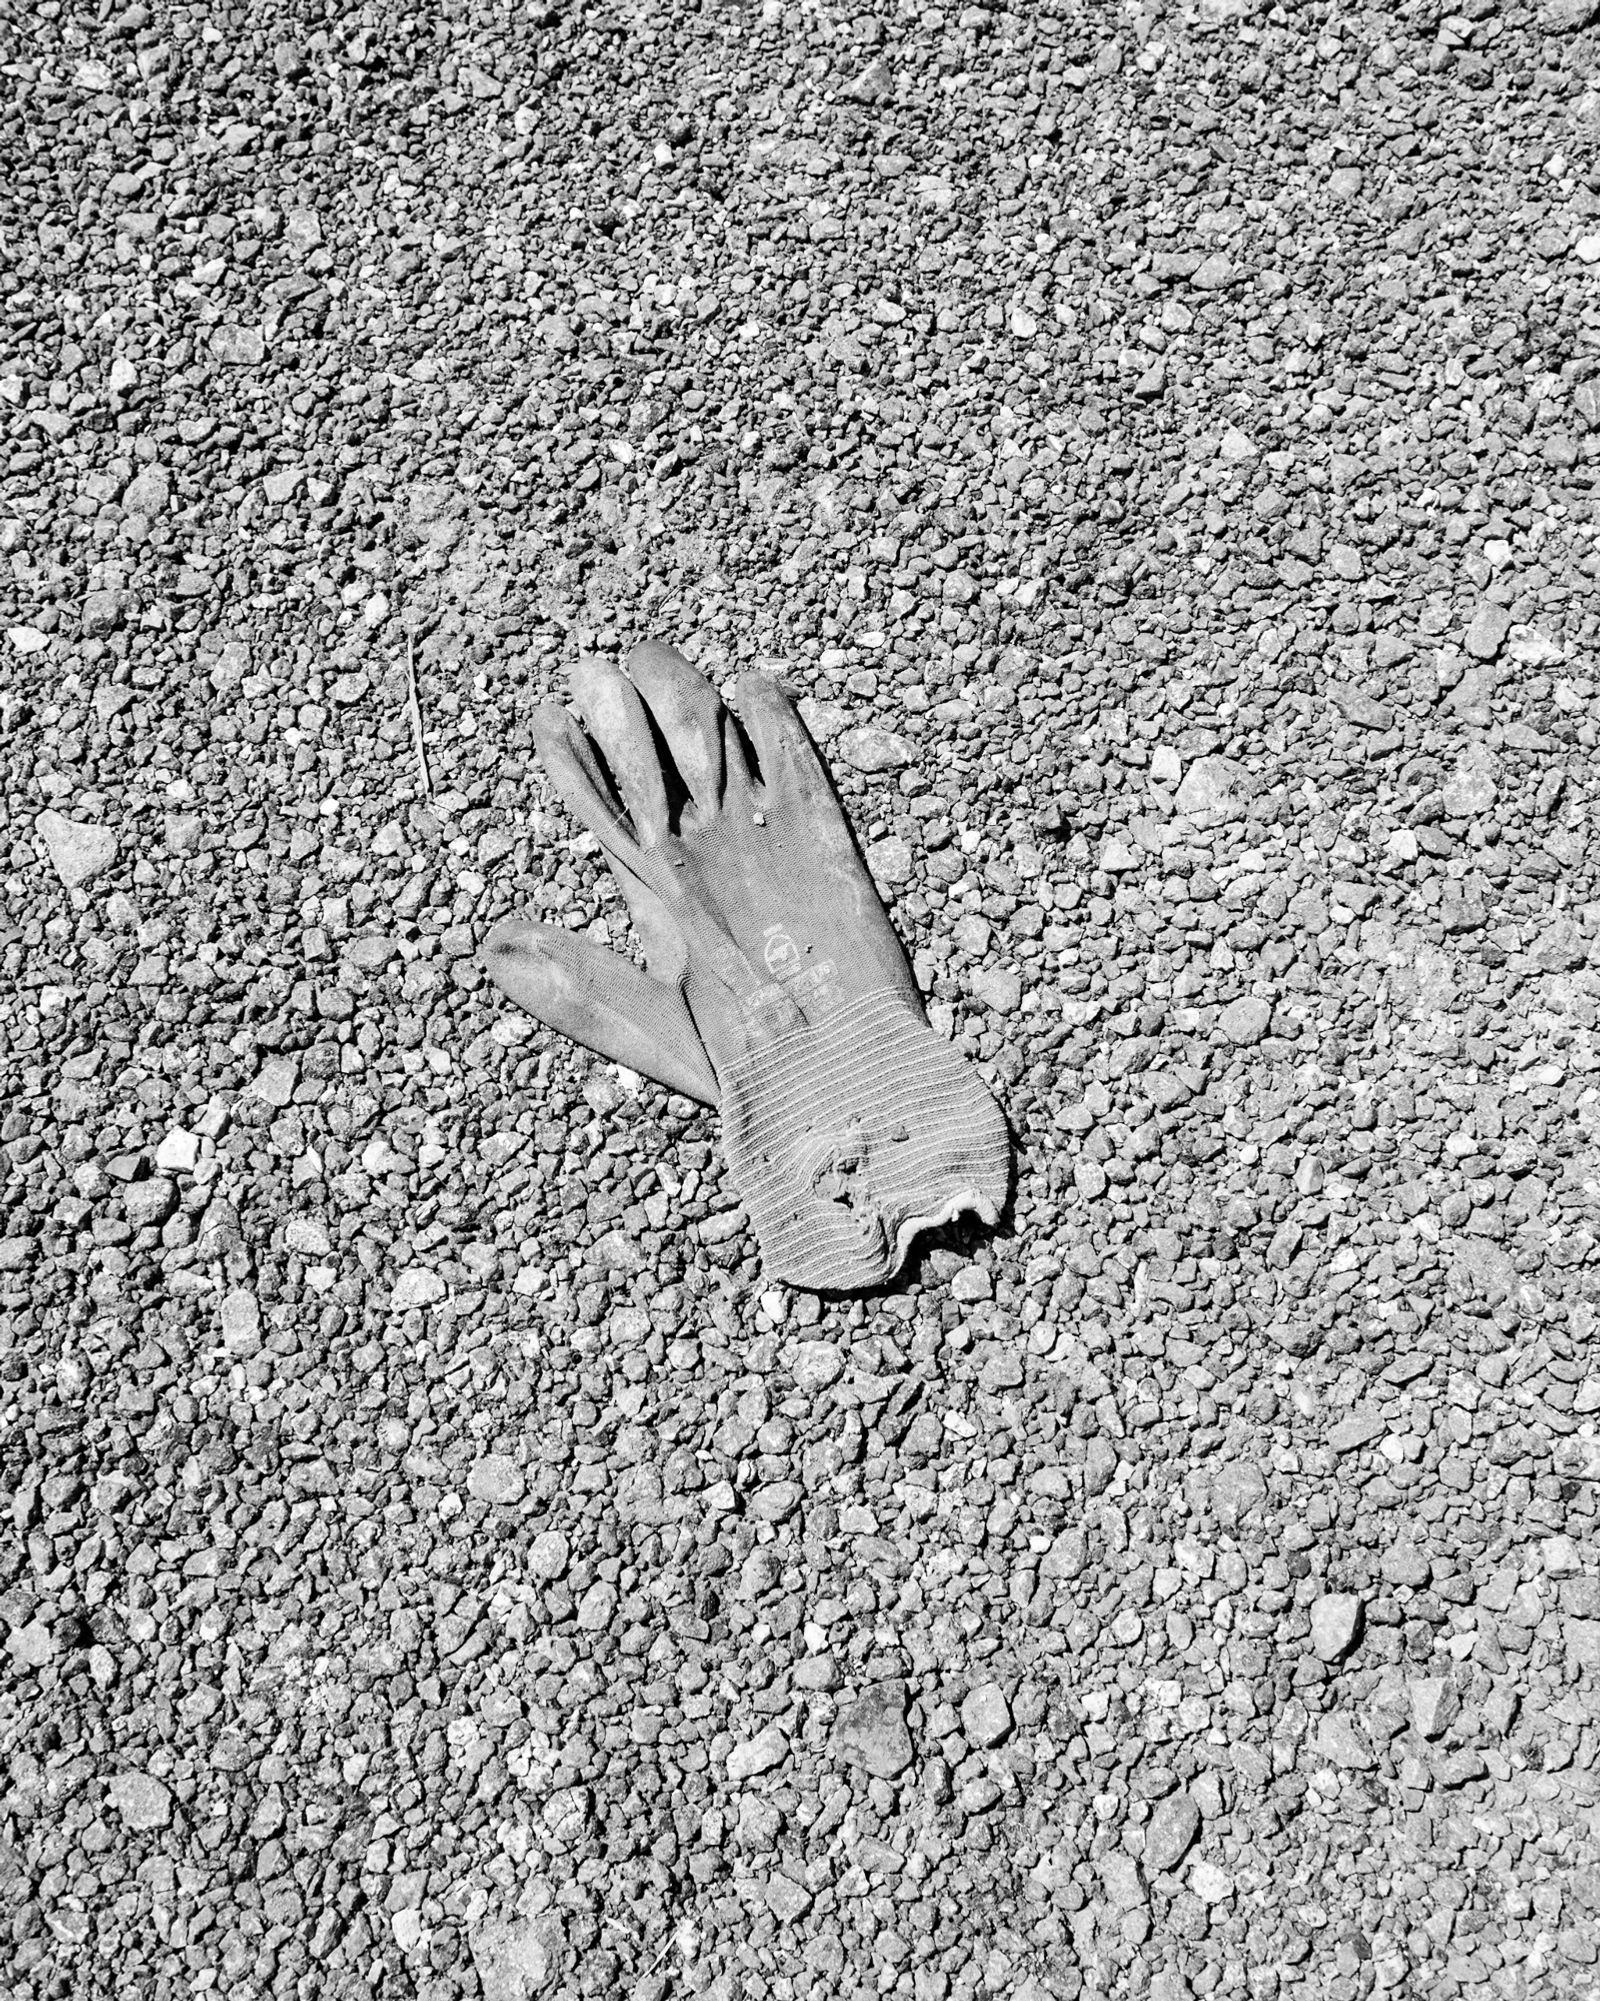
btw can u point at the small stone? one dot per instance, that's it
(971, 1284)
(241, 1324)
(1067, 1556)
(566, 1814)
(776, 1501)
(142, 1801)
(275, 1084)
(998, 988)
(149, 492)
(308, 1235)
(548, 1555)
(1472, 787)
(1581, 1638)
(78, 850)
(417, 1286)
(1209, 1883)
(1116, 857)
(1123, 1880)
(596, 1607)
(758, 1754)
(238, 347)
(31, 1646)
(512, 1960)
(1245, 1020)
(890, 860)
(1211, 785)
(1171, 1832)
(1486, 634)
(1578, 1458)
(148, 1204)
(496, 1478)
(1360, 708)
(1099, 1465)
(816, 1364)
(1343, 1743)
(871, 1732)
(787, 1900)
(302, 232)
(1238, 1486)
(1214, 274)
(1403, 1563)
(179, 1152)
(872, 750)
(1435, 1705)
(1335, 1622)
(986, 1715)
(102, 613)
(1360, 1428)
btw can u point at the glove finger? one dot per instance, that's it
(790, 767)
(620, 724)
(665, 951)
(689, 713)
(577, 774)
(602, 1000)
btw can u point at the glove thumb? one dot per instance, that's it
(602, 1000)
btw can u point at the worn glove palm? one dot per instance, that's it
(776, 986)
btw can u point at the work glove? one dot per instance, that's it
(775, 985)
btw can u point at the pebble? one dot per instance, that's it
(497, 1478)
(874, 750)
(417, 1286)
(1435, 1704)
(1173, 1828)
(871, 1731)
(1360, 1428)
(1209, 1883)
(1344, 1743)
(1335, 1624)
(179, 1152)
(141, 1800)
(79, 851)
(1246, 1020)
(758, 1754)
(998, 988)
(1486, 633)
(815, 1365)
(1211, 785)
(986, 1715)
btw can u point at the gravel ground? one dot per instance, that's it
(1161, 447)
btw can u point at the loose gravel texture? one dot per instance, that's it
(1162, 448)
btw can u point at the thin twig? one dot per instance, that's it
(416, 716)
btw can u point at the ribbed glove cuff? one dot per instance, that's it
(847, 1138)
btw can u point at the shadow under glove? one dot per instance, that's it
(776, 987)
